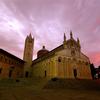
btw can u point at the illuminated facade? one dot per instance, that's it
(65, 61)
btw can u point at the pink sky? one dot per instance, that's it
(47, 20)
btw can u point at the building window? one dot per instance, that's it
(5, 60)
(69, 59)
(30, 41)
(59, 59)
(45, 73)
(73, 52)
(0, 70)
(10, 73)
(86, 63)
(26, 74)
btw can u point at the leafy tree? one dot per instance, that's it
(93, 71)
(99, 71)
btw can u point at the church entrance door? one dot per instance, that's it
(75, 73)
(26, 74)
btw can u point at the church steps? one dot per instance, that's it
(73, 84)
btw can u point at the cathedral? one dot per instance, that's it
(65, 61)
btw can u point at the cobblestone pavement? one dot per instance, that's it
(27, 93)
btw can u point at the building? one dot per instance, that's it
(28, 55)
(65, 61)
(97, 74)
(10, 65)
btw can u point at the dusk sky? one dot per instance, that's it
(48, 20)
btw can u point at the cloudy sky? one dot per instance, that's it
(47, 20)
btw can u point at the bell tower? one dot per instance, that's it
(28, 54)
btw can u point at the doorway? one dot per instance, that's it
(45, 73)
(75, 73)
(26, 74)
(10, 73)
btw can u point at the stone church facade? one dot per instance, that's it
(65, 61)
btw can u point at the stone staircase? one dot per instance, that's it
(83, 84)
(35, 83)
(45, 83)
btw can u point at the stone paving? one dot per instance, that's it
(21, 93)
(32, 92)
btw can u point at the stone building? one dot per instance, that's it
(10, 65)
(65, 61)
(28, 55)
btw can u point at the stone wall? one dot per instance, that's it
(62, 65)
(10, 67)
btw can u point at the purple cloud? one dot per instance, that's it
(48, 20)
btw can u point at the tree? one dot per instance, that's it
(98, 71)
(93, 71)
(99, 67)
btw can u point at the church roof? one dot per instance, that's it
(70, 43)
(47, 55)
(10, 55)
(42, 52)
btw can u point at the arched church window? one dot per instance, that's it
(30, 41)
(5, 59)
(86, 63)
(74, 59)
(59, 59)
(79, 61)
(69, 59)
